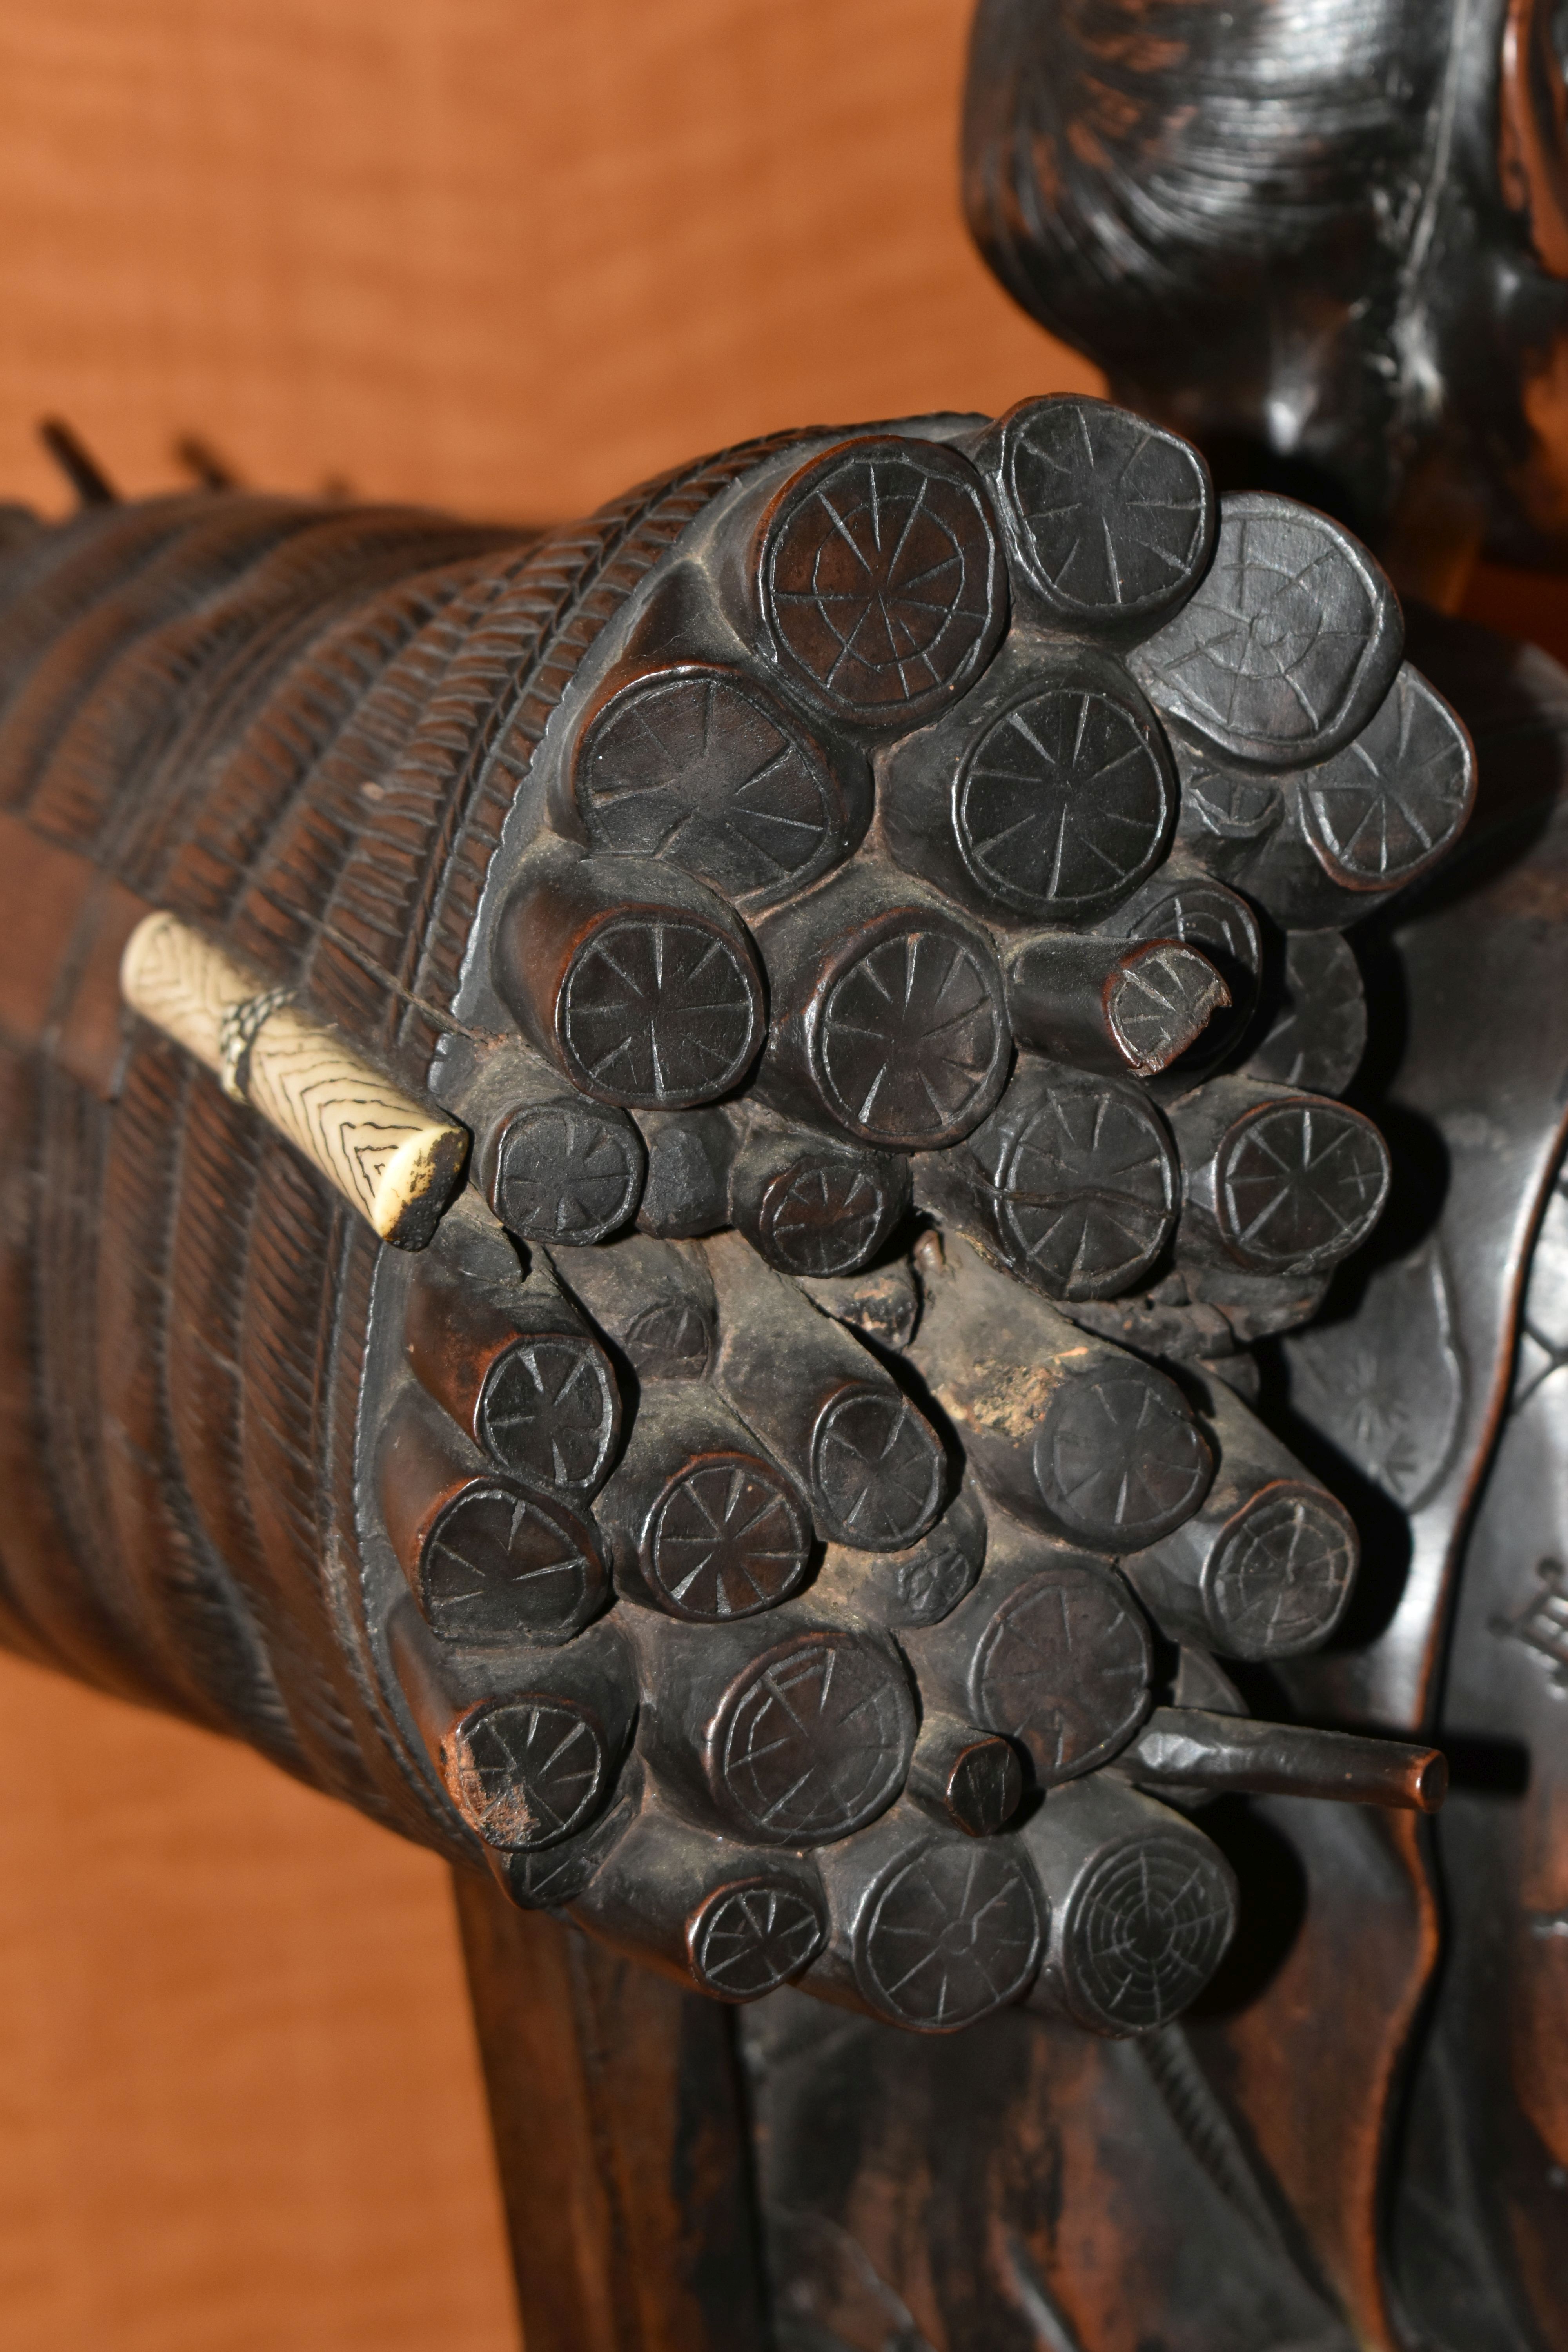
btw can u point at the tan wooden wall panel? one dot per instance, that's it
(506, 255)
(240, 2106)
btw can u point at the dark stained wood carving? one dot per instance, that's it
(879, 579)
(1287, 647)
(788, 1515)
(620, 2130)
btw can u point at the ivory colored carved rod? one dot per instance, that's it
(396, 1162)
(1185, 1748)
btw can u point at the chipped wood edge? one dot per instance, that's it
(396, 1162)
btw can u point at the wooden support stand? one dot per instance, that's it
(620, 2134)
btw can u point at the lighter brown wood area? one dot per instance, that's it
(240, 2103)
(508, 255)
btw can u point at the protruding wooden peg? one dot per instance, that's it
(811, 1205)
(1050, 1651)
(203, 463)
(653, 1299)
(700, 763)
(890, 1014)
(702, 1522)
(1072, 1182)
(1184, 1749)
(971, 1779)
(734, 1921)
(553, 1166)
(880, 578)
(635, 979)
(906, 1590)
(881, 1301)
(395, 1162)
(1276, 1183)
(77, 463)
(929, 1928)
(527, 1747)
(1111, 519)
(1264, 1568)
(488, 1560)
(1105, 1005)
(1069, 1433)
(1143, 1906)
(511, 1360)
(1049, 795)
(1318, 1034)
(824, 1406)
(687, 1187)
(1327, 666)
(1181, 902)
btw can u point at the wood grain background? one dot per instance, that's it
(506, 255)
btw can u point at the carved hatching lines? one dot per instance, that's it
(247, 809)
(286, 1325)
(357, 706)
(393, 1159)
(75, 737)
(202, 1312)
(594, 573)
(87, 562)
(293, 883)
(50, 1611)
(103, 773)
(209, 1644)
(337, 810)
(75, 1127)
(258, 634)
(390, 881)
(364, 963)
(192, 879)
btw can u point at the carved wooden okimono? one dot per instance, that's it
(645, 1162)
(825, 1221)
